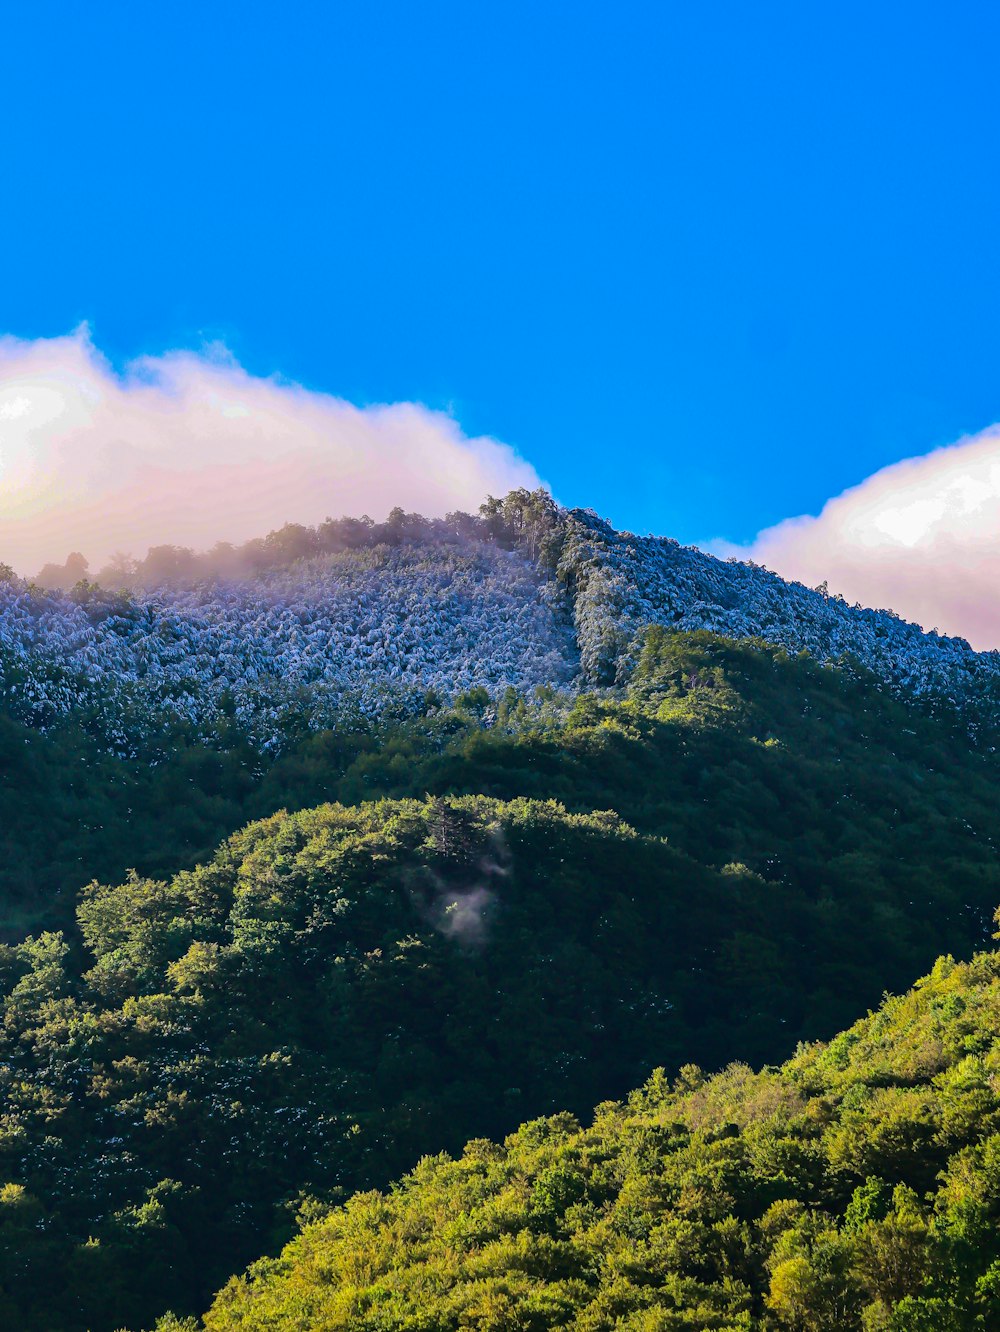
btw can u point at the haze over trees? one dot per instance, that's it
(314, 623)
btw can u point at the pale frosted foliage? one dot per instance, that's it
(357, 630)
(372, 631)
(623, 582)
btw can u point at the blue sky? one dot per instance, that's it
(704, 266)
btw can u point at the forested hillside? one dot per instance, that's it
(515, 827)
(340, 990)
(141, 716)
(855, 1187)
(311, 627)
(301, 646)
(621, 583)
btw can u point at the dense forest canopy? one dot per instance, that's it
(857, 1187)
(336, 991)
(356, 618)
(525, 808)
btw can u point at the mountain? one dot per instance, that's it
(857, 1186)
(196, 673)
(353, 618)
(523, 808)
(729, 858)
(350, 632)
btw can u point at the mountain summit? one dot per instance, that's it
(358, 617)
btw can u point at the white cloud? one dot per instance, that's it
(190, 449)
(921, 537)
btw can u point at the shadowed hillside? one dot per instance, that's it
(340, 990)
(855, 1187)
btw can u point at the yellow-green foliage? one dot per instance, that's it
(855, 1187)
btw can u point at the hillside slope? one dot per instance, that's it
(354, 631)
(855, 1187)
(621, 583)
(197, 673)
(342, 989)
(350, 619)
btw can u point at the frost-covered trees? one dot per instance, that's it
(619, 583)
(311, 623)
(362, 629)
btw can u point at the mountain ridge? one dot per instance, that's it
(356, 615)
(402, 843)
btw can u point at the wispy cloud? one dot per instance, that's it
(188, 448)
(921, 537)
